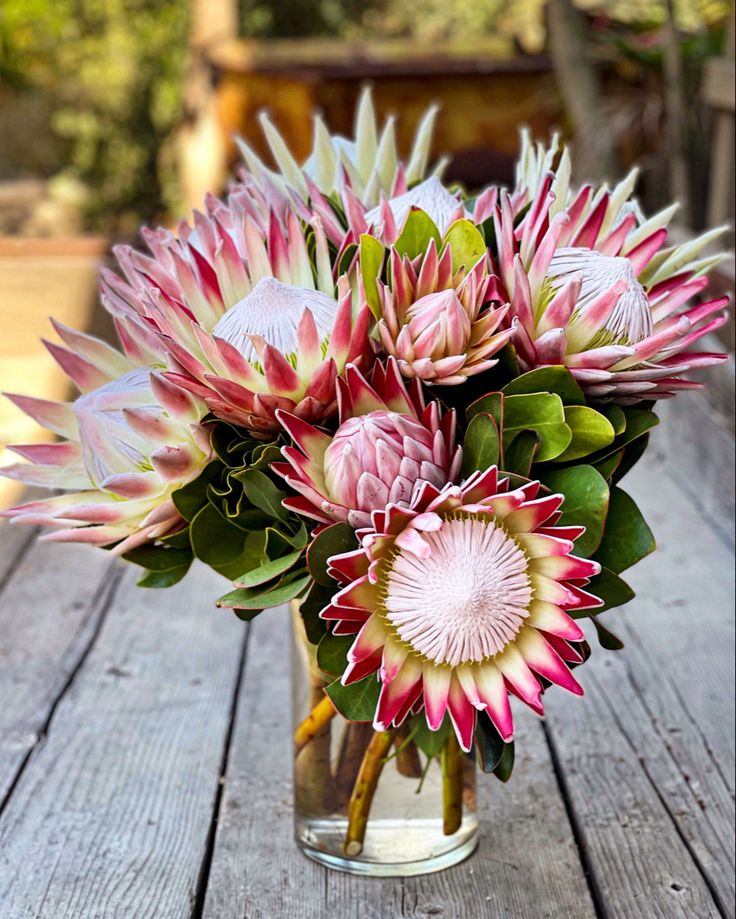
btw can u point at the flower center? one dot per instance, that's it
(273, 311)
(467, 599)
(631, 319)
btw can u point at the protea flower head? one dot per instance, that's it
(592, 290)
(459, 599)
(368, 164)
(387, 440)
(440, 326)
(129, 440)
(249, 321)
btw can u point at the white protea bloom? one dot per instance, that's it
(459, 598)
(369, 162)
(441, 205)
(129, 441)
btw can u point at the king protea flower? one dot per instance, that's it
(368, 164)
(459, 599)
(249, 321)
(590, 289)
(387, 441)
(129, 440)
(440, 326)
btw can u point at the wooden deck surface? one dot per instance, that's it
(145, 745)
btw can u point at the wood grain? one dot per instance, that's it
(648, 756)
(50, 607)
(112, 814)
(527, 864)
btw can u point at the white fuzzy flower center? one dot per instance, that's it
(631, 319)
(430, 195)
(273, 310)
(464, 602)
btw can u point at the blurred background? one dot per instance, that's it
(115, 113)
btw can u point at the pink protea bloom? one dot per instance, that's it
(459, 599)
(591, 290)
(247, 323)
(129, 441)
(387, 440)
(441, 327)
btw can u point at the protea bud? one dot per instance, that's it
(386, 443)
(441, 327)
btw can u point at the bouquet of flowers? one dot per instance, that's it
(406, 408)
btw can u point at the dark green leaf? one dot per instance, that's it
(430, 742)
(491, 404)
(346, 259)
(610, 588)
(627, 538)
(358, 701)
(418, 230)
(606, 638)
(268, 570)
(332, 653)
(224, 546)
(638, 422)
(156, 558)
(616, 416)
(586, 503)
(247, 615)
(311, 606)
(163, 578)
(632, 454)
(505, 765)
(608, 466)
(481, 444)
(518, 458)
(191, 498)
(488, 743)
(254, 598)
(262, 493)
(556, 379)
(335, 539)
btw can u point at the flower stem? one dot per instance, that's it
(355, 738)
(365, 788)
(322, 713)
(407, 755)
(452, 786)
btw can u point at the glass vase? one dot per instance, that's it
(369, 802)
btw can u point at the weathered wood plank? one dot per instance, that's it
(528, 867)
(648, 756)
(112, 814)
(50, 607)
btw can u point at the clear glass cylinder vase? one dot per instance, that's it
(369, 802)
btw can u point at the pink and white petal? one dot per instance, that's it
(493, 694)
(462, 715)
(395, 694)
(550, 618)
(371, 639)
(436, 691)
(542, 658)
(519, 677)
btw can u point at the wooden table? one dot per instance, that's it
(145, 754)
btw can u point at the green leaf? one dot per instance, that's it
(638, 422)
(488, 743)
(481, 444)
(518, 458)
(505, 765)
(247, 615)
(253, 598)
(608, 466)
(358, 701)
(428, 741)
(540, 412)
(556, 379)
(191, 498)
(612, 589)
(586, 503)
(606, 638)
(418, 230)
(371, 264)
(346, 259)
(332, 653)
(591, 431)
(466, 243)
(631, 456)
(311, 606)
(616, 416)
(335, 539)
(263, 494)
(491, 404)
(268, 570)
(223, 546)
(156, 558)
(167, 578)
(627, 538)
